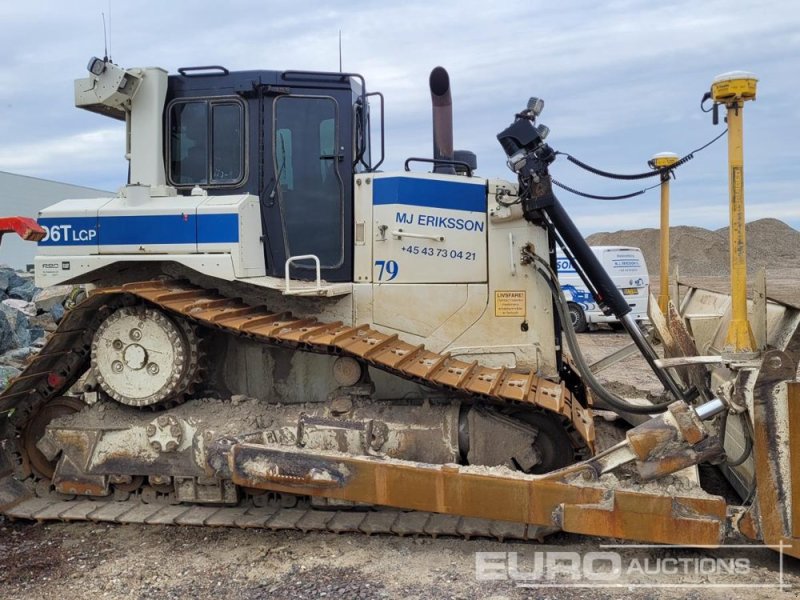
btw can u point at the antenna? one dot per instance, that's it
(105, 38)
(340, 51)
(108, 54)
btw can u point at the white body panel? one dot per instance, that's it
(628, 271)
(466, 294)
(428, 229)
(494, 310)
(220, 234)
(70, 229)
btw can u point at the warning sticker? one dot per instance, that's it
(509, 303)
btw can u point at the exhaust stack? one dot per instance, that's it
(442, 104)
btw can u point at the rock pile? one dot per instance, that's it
(28, 315)
(701, 252)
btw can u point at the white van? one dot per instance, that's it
(628, 271)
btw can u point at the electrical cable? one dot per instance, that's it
(646, 174)
(707, 144)
(662, 171)
(598, 197)
(499, 200)
(706, 97)
(610, 175)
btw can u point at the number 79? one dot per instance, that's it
(387, 267)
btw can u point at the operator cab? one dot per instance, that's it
(294, 139)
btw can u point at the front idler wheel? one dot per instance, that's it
(142, 357)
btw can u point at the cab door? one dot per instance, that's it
(308, 204)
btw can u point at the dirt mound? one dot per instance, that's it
(770, 241)
(702, 252)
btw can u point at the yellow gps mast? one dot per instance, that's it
(659, 161)
(733, 90)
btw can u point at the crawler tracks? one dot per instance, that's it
(275, 518)
(66, 356)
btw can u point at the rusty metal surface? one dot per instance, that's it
(793, 392)
(659, 322)
(677, 459)
(107, 439)
(555, 500)
(50, 373)
(772, 516)
(655, 438)
(684, 345)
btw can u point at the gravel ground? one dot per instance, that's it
(90, 560)
(87, 560)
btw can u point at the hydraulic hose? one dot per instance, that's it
(748, 441)
(562, 309)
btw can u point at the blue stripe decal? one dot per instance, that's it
(131, 230)
(431, 193)
(69, 231)
(148, 229)
(220, 228)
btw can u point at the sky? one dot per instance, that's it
(621, 80)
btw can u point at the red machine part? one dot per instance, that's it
(24, 227)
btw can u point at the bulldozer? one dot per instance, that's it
(278, 334)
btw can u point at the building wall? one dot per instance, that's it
(25, 196)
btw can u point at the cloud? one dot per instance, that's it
(91, 146)
(83, 158)
(621, 80)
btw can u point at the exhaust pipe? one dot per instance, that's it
(442, 104)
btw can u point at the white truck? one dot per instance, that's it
(628, 270)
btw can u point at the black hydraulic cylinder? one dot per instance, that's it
(542, 199)
(608, 295)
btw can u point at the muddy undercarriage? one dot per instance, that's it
(393, 438)
(239, 377)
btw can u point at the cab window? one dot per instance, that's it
(207, 142)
